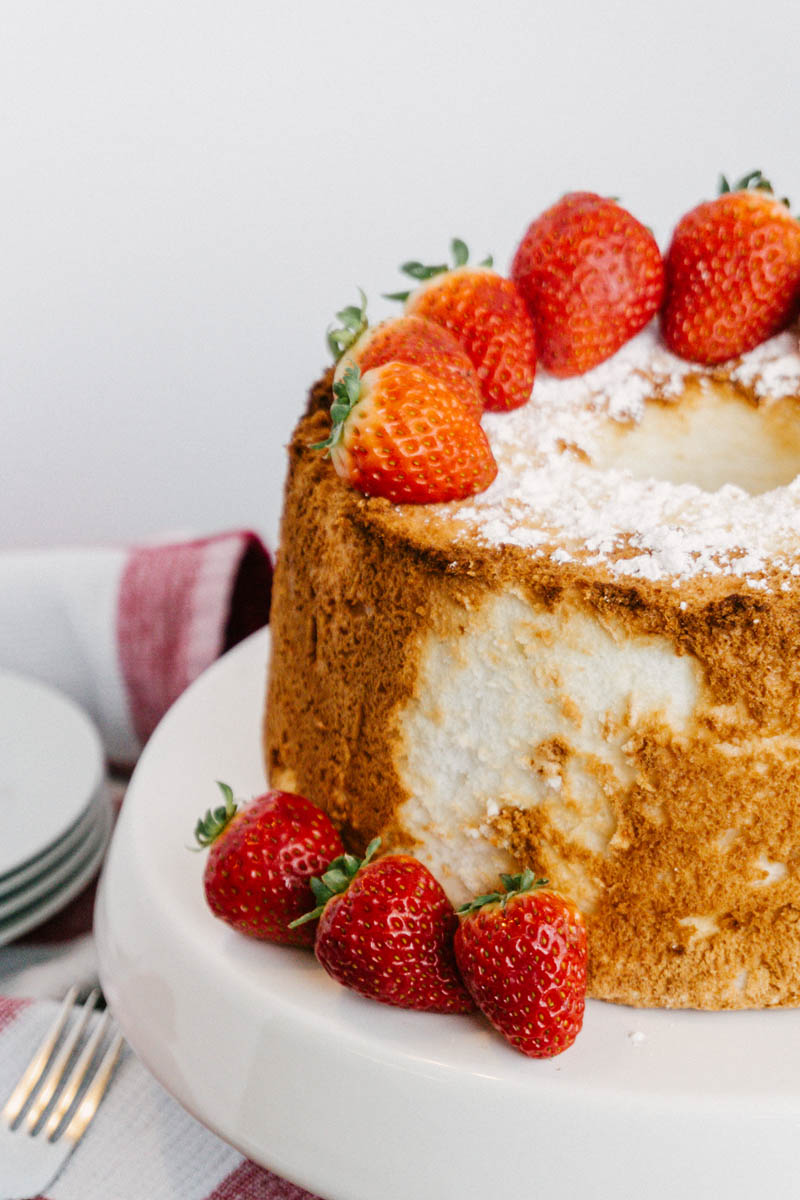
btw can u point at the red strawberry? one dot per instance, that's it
(733, 273)
(592, 277)
(522, 955)
(410, 340)
(263, 856)
(401, 433)
(386, 931)
(486, 314)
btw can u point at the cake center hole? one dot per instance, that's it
(710, 437)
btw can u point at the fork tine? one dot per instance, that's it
(94, 1093)
(33, 1072)
(76, 1077)
(53, 1077)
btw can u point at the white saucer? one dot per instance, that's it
(49, 881)
(15, 881)
(64, 885)
(51, 768)
(356, 1101)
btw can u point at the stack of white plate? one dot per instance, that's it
(55, 819)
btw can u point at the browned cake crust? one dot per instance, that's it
(360, 583)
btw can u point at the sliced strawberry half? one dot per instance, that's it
(401, 433)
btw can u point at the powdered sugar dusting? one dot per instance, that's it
(772, 370)
(549, 499)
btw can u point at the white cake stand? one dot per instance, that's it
(356, 1101)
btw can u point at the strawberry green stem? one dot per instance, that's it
(514, 886)
(338, 877)
(353, 322)
(753, 181)
(421, 271)
(209, 827)
(346, 395)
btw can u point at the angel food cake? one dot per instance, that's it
(590, 668)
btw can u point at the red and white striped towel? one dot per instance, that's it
(125, 630)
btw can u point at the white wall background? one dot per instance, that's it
(189, 190)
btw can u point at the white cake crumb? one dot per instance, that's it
(636, 1037)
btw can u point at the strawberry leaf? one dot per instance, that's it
(418, 270)
(346, 395)
(753, 181)
(421, 272)
(514, 885)
(338, 877)
(209, 827)
(353, 322)
(460, 252)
